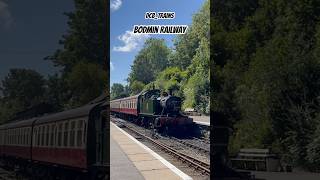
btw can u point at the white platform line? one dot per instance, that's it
(157, 156)
(202, 123)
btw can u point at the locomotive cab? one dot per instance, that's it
(149, 103)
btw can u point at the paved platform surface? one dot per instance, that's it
(203, 120)
(130, 159)
(283, 176)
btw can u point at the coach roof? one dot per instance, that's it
(69, 114)
(18, 124)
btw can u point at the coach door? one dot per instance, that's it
(101, 138)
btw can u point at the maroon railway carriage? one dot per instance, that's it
(16, 139)
(126, 105)
(75, 139)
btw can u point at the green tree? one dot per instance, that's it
(86, 37)
(136, 87)
(83, 44)
(119, 91)
(171, 79)
(86, 82)
(151, 59)
(21, 89)
(186, 45)
(265, 73)
(24, 85)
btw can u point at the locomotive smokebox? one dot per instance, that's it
(171, 103)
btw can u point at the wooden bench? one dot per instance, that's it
(256, 159)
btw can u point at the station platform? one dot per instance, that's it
(130, 159)
(202, 120)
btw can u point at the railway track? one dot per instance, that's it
(199, 165)
(192, 145)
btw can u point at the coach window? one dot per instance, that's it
(79, 133)
(84, 132)
(38, 136)
(46, 142)
(72, 133)
(65, 136)
(6, 140)
(8, 137)
(22, 136)
(19, 136)
(27, 136)
(34, 136)
(52, 135)
(15, 137)
(11, 136)
(42, 135)
(60, 134)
